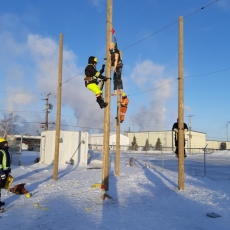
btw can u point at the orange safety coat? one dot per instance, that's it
(124, 106)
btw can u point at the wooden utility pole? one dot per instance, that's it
(105, 170)
(181, 108)
(118, 129)
(58, 116)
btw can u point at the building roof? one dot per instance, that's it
(102, 135)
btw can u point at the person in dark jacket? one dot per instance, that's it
(91, 80)
(175, 129)
(4, 165)
(117, 65)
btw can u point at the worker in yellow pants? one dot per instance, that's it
(91, 80)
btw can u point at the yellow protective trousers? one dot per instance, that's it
(94, 88)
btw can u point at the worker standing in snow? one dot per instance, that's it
(4, 165)
(91, 80)
(117, 65)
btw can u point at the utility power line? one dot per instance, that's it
(143, 39)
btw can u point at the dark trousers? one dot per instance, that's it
(177, 150)
(2, 183)
(176, 144)
(117, 79)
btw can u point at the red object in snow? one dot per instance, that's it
(102, 186)
(113, 31)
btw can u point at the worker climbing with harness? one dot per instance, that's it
(124, 105)
(117, 65)
(175, 128)
(92, 77)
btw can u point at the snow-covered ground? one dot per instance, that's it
(145, 196)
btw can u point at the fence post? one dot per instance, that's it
(20, 153)
(205, 160)
(162, 158)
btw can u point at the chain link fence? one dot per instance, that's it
(213, 163)
(16, 151)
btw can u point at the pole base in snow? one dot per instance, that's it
(106, 195)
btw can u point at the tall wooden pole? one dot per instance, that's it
(118, 130)
(181, 108)
(58, 116)
(105, 171)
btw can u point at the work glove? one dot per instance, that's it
(102, 69)
(175, 130)
(103, 78)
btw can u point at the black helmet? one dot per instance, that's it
(92, 60)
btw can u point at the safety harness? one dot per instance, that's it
(119, 62)
(93, 79)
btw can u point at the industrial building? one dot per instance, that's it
(70, 143)
(194, 140)
(96, 141)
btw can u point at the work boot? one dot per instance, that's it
(101, 102)
(2, 203)
(105, 104)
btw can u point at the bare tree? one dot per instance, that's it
(7, 124)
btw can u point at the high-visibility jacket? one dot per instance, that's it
(91, 74)
(4, 160)
(124, 106)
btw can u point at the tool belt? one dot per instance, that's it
(119, 65)
(89, 80)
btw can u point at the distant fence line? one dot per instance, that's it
(15, 150)
(143, 149)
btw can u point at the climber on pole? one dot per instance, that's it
(117, 65)
(91, 80)
(124, 105)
